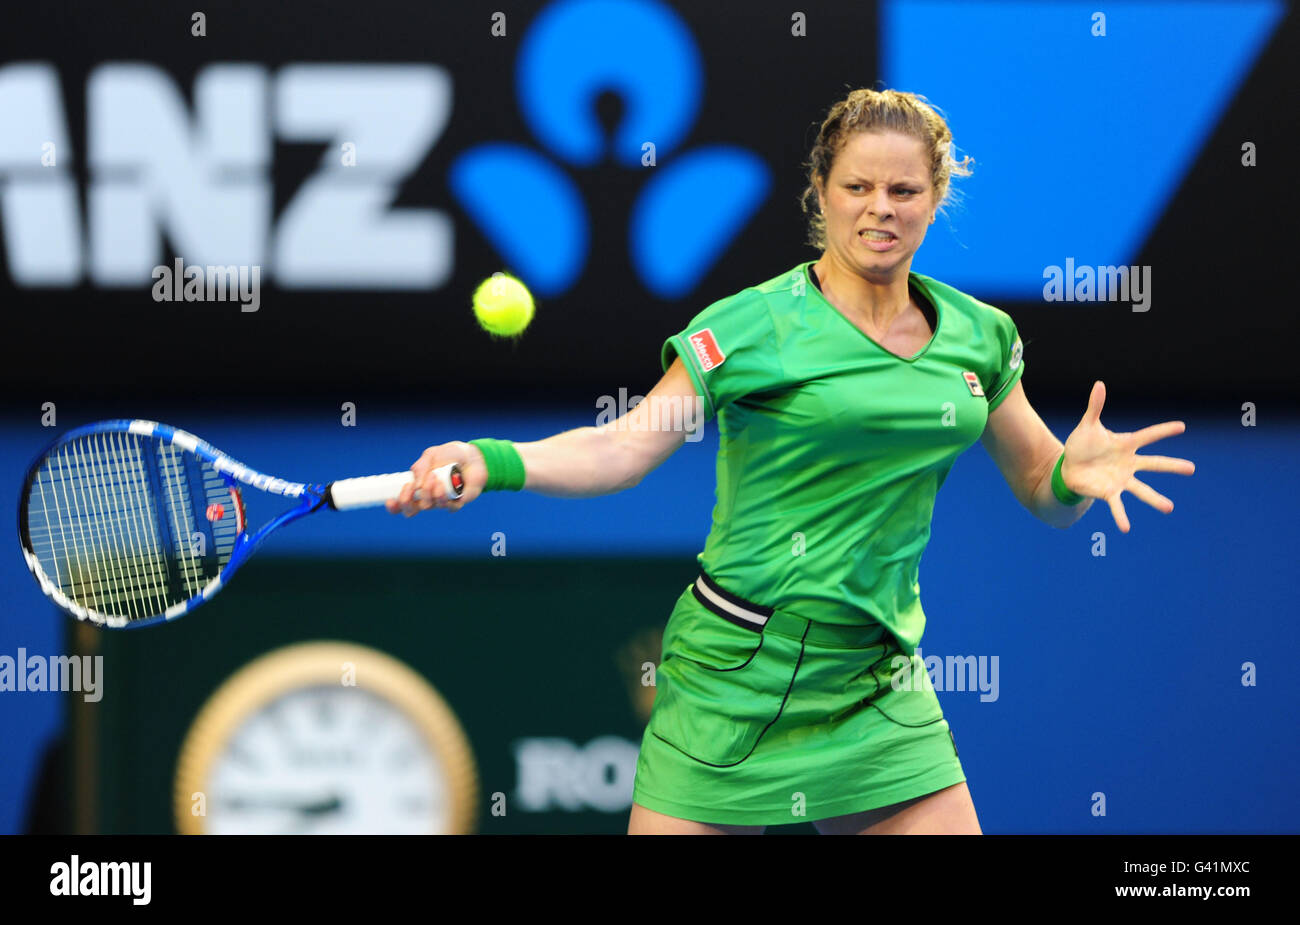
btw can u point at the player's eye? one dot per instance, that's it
(905, 192)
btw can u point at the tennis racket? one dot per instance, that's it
(132, 523)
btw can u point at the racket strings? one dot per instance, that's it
(127, 526)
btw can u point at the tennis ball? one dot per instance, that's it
(503, 305)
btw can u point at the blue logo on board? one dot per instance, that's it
(525, 201)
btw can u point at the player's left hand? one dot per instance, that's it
(1101, 464)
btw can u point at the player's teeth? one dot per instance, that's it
(877, 235)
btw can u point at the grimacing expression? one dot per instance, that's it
(878, 202)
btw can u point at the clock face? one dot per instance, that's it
(327, 760)
(325, 738)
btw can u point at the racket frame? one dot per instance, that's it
(235, 473)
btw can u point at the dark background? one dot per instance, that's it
(1219, 328)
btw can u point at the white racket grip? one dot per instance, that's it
(374, 490)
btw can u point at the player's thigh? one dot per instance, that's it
(648, 822)
(950, 811)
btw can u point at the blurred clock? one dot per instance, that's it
(326, 738)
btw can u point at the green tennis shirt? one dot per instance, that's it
(831, 448)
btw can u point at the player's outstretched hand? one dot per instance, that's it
(1101, 464)
(431, 493)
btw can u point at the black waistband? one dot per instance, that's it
(730, 606)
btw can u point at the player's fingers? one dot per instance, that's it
(1157, 432)
(1148, 494)
(402, 503)
(431, 490)
(1096, 399)
(1117, 511)
(406, 500)
(422, 465)
(1166, 464)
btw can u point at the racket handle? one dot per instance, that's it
(374, 490)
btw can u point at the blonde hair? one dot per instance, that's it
(866, 110)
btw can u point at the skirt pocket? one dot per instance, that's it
(719, 686)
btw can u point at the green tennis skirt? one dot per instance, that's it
(762, 717)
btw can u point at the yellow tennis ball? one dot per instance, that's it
(503, 305)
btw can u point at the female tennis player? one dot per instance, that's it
(844, 390)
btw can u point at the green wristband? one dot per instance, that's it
(1063, 493)
(505, 467)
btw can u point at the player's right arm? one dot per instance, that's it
(580, 463)
(592, 461)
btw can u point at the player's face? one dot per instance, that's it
(878, 202)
